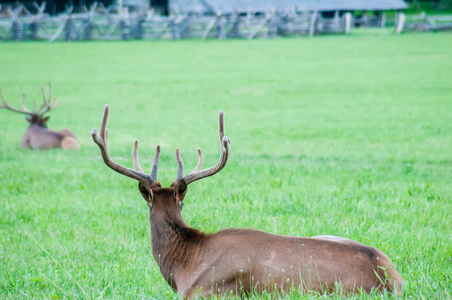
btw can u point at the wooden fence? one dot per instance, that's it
(422, 22)
(102, 23)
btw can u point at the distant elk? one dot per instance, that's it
(242, 262)
(37, 135)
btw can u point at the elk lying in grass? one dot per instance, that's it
(244, 261)
(37, 135)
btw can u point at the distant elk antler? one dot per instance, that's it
(37, 135)
(244, 261)
(46, 105)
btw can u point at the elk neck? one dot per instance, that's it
(175, 245)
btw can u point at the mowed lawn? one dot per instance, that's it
(341, 135)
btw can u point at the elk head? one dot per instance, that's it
(159, 198)
(35, 117)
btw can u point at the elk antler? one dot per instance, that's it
(138, 174)
(7, 106)
(198, 173)
(46, 106)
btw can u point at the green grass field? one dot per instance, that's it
(340, 135)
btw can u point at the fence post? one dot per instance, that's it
(88, 29)
(34, 29)
(220, 26)
(138, 32)
(313, 24)
(125, 31)
(70, 34)
(272, 30)
(184, 27)
(235, 29)
(400, 22)
(348, 22)
(17, 30)
(383, 20)
(175, 32)
(422, 22)
(124, 22)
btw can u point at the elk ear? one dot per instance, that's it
(180, 190)
(46, 119)
(28, 119)
(147, 194)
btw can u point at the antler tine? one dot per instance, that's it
(34, 106)
(50, 93)
(180, 165)
(198, 173)
(7, 106)
(101, 141)
(136, 163)
(23, 105)
(103, 124)
(155, 163)
(200, 161)
(55, 104)
(221, 125)
(46, 106)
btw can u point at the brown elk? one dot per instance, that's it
(244, 261)
(37, 135)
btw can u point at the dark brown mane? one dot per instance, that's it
(189, 234)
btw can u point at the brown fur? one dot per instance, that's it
(69, 142)
(37, 137)
(245, 261)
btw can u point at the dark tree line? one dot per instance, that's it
(55, 6)
(58, 6)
